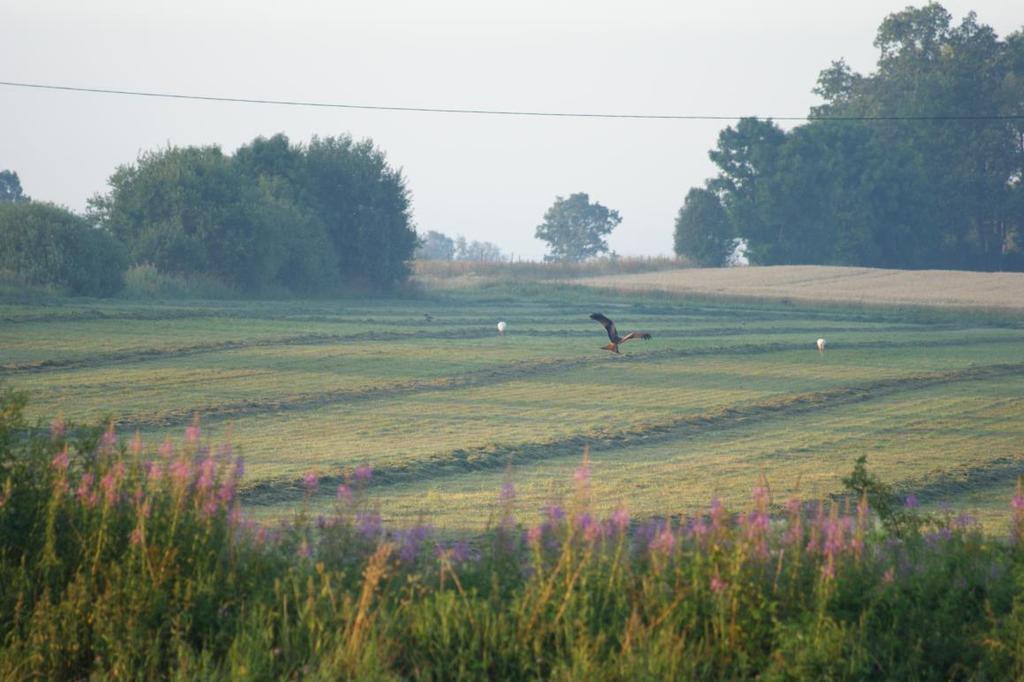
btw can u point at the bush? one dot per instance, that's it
(45, 245)
(146, 282)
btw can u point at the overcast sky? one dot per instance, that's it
(488, 178)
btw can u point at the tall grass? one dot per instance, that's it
(118, 559)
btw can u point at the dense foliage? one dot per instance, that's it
(10, 188)
(919, 164)
(45, 245)
(273, 215)
(575, 229)
(703, 230)
(121, 560)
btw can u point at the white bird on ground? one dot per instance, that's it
(501, 328)
(821, 345)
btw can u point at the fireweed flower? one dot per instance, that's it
(136, 444)
(582, 474)
(664, 540)
(362, 473)
(717, 584)
(166, 449)
(718, 514)
(58, 427)
(60, 462)
(86, 495)
(344, 494)
(534, 535)
(154, 472)
(192, 432)
(311, 481)
(109, 439)
(181, 471)
(620, 519)
(207, 470)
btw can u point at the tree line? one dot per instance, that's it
(917, 165)
(273, 216)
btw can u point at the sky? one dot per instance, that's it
(487, 178)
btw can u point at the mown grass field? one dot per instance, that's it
(445, 410)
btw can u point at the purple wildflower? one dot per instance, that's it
(556, 514)
(192, 432)
(362, 473)
(911, 502)
(369, 524)
(311, 481)
(207, 469)
(344, 494)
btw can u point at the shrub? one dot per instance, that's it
(45, 245)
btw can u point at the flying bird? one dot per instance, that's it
(501, 328)
(821, 345)
(609, 326)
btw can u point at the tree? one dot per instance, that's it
(48, 245)
(365, 206)
(481, 252)
(575, 229)
(10, 188)
(273, 215)
(934, 180)
(436, 246)
(704, 232)
(188, 211)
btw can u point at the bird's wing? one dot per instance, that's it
(635, 335)
(608, 325)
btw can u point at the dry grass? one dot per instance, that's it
(875, 286)
(434, 274)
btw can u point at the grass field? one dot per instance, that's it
(445, 411)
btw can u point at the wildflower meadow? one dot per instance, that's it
(130, 560)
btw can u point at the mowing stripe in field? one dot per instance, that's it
(280, 402)
(499, 456)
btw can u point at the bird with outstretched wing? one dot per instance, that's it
(613, 334)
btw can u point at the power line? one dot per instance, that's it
(501, 112)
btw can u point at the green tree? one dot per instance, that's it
(10, 188)
(188, 210)
(44, 244)
(934, 180)
(704, 232)
(365, 207)
(575, 229)
(436, 246)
